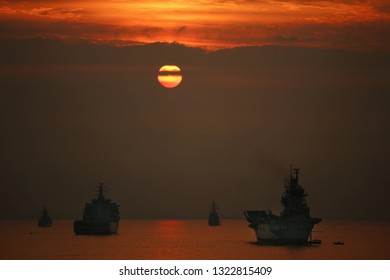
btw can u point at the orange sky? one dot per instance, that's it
(348, 24)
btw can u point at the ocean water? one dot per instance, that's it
(188, 240)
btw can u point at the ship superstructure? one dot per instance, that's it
(294, 224)
(100, 216)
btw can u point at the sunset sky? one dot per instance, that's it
(263, 84)
(346, 24)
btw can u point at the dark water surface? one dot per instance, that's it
(188, 240)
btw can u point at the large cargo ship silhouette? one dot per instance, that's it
(100, 216)
(293, 226)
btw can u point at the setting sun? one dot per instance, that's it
(169, 76)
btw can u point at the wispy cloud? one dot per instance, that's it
(361, 24)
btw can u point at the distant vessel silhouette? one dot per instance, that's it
(45, 220)
(100, 216)
(293, 226)
(214, 216)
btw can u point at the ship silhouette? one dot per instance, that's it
(100, 216)
(214, 216)
(45, 220)
(293, 226)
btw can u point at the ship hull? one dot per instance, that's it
(277, 230)
(214, 220)
(44, 224)
(92, 228)
(214, 224)
(284, 233)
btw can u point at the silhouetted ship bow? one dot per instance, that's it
(293, 226)
(101, 216)
(45, 219)
(214, 216)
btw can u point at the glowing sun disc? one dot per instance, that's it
(169, 76)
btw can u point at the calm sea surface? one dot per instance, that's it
(187, 240)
